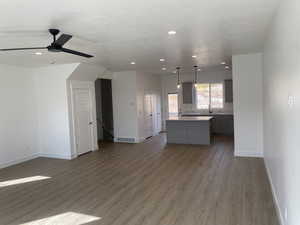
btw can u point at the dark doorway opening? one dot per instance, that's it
(104, 110)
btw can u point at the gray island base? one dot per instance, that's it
(189, 130)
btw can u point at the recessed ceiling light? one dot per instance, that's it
(227, 67)
(162, 60)
(199, 69)
(164, 68)
(38, 53)
(223, 63)
(132, 63)
(174, 71)
(172, 32)
(194, 56)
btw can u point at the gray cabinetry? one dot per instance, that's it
(187, 93)
(228, 91)
(175, 132)
(189, 132)
(223, 124)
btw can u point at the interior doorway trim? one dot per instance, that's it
(88, 85)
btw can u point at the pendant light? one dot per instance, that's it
(178, 80)
(196, 75)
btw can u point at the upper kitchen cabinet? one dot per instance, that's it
(228, 91)
(187, 93)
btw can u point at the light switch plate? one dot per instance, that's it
(291, 101)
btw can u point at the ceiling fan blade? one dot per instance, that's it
(63, 39)
(17, 49)
(76, 53)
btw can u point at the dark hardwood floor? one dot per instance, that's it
(140, 184)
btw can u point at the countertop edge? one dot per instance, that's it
(203, 119)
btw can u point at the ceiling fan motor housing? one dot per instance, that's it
(54, 32)
(54, 47)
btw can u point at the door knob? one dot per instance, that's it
(90, 123)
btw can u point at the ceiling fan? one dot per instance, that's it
(55, 46)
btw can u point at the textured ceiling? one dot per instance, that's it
(118, 32)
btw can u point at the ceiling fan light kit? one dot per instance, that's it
(55, 46)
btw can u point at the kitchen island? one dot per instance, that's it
(189, 130)
(222, 123)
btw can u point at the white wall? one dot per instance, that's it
(17, 115)
(281, 118)
(125, 105)
(148, 84)
(129, 89)
(248, 106)
(169, 85)
(87, 72)
(53, 110)
(35, 114)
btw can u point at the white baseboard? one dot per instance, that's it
(53, 156)
(14, 162)
(34, 156)
(248, 154)
(276, 202)
(56, 156)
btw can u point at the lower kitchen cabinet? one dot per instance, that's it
(223, 124)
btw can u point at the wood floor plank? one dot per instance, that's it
(142, 184)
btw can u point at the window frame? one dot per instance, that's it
(210, 108)
(173, 93)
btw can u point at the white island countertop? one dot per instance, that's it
(190, 118)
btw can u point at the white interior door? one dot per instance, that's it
(83, 120)
(158, 114)
(148, 115)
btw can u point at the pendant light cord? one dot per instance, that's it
(178, 80)
(196, 73)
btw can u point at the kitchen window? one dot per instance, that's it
(209, 96)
